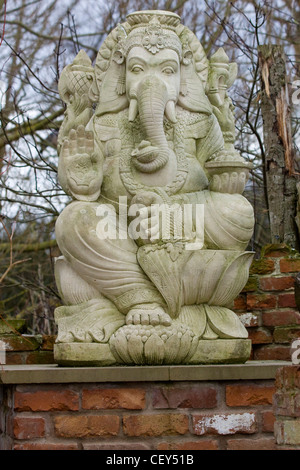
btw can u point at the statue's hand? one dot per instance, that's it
(81, 165)
(144, 210)
(225, 116)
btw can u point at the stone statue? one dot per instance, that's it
(153, 243)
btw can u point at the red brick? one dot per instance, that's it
(252, 444)
(276, 283)
(261, 301)
(272, 352)
(117, 446)
(249, 395)
(97, 399)
(268, 420)
(281, 318)
(290, 265)
(275, 250)
(288, 377)
(287, 300)
(205, 444)
(260, 336)
(28, 428)
(45, 446)
(48, 400)
(225, 423)
(86, 425)
(155, 425)
(48, 342)
(175, 397)
(240, 303)
(39, 357)
(12, 358)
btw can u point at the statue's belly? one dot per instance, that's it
(113, 186)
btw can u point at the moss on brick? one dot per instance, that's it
(252, 284)
(286, 334)
(276, 250)
(11, 325)
(262, 266)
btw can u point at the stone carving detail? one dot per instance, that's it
(147, 140)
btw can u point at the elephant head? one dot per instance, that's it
(149, 66)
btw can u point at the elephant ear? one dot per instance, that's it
(112, 92)
(110, 75)
(192, 96)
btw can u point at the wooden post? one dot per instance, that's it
(279, 153)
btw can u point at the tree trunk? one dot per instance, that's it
(279, 152)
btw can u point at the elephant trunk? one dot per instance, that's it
(153, 102)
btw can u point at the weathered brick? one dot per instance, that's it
(116, 446)
(249, 319)
(261, 301)
(97, 399)
(28, 428)
(260, 336)
(252, 284)
(48, 342)
(287, 300)
(287, 432)
(72, 426)
(39, 357)
(240, 303)
(262, 266)
(286, 334)
(20, 342)
(290, 265)
(281, 318)
(288, 377)
(223, 424)
(271, 352)
(47, 400)
(287, 403)
(155, 425)
(249, 395)
(263, 443)
(176, 397)
(45, 446)
(12, 358)
(275, 250)
(203, 444)
(276, 283)
(268, 420)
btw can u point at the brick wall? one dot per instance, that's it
(287, 408)
(23, 348)
(186, 415)
(267, 304)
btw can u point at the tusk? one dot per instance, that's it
(133, 109)
(170, 111)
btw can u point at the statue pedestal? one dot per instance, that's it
(222, 351)
(218, 351)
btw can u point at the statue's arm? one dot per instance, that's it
(80, 165)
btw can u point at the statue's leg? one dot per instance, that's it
(108, 263)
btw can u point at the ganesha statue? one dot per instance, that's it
(153, 244)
